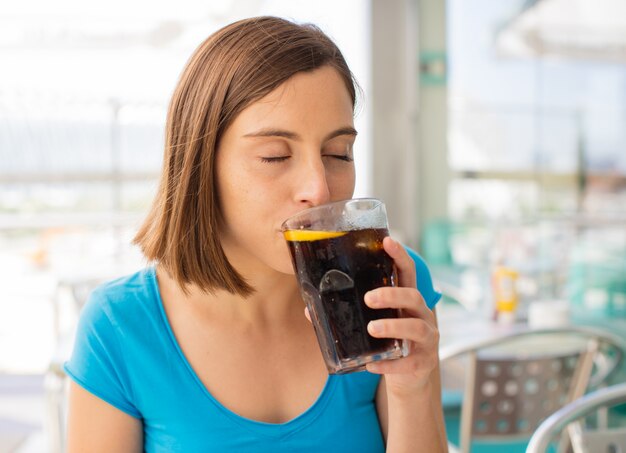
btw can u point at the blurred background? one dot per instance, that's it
(494, 130)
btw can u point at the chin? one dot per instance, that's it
(285, 269)
(280, 262)
(283, 263)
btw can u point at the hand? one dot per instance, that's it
(417, 325)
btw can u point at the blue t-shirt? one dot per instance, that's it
(126, 354)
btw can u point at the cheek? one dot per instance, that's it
(342, 185)
(231, 198)
(233, 186)
(236, 206)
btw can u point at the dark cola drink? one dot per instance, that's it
(335, 270)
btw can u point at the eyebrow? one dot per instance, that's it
(271, 132)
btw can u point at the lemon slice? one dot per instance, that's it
(308, 235)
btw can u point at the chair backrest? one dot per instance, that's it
(603, 440)
(509, 397)
(515, 381)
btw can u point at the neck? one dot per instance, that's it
(276, 300)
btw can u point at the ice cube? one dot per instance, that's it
(335, 280)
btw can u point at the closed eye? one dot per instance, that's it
(274, 160)
(343, 157)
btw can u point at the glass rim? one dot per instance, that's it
(377, 202)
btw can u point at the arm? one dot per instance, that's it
(96, 426)
(424, 428)
(408, 399)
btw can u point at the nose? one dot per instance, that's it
(311, 185)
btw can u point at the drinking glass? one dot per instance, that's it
(338, 256)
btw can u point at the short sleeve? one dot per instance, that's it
(97, 361)
(424, 279)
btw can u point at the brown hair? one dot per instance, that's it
(234, 67)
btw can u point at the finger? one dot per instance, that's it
(408, 299)
(399, 366)
(307, 314)
(416, 330)
(404, 365)
(403, 262)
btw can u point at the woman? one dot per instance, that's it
(209, 350)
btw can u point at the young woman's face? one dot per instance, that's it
(289, 151)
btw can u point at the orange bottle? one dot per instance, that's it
(503, 281)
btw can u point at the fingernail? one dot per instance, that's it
(375, 327)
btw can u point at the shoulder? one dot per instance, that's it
(128, 287)
(115, 304)
(123, 293)
(122, 318)
(110, 336)
(424, 279)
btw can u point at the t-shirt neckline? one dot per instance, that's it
(266, 428)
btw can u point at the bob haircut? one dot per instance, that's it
(234, 67)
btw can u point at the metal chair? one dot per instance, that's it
(601, 440)
(514, 381)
